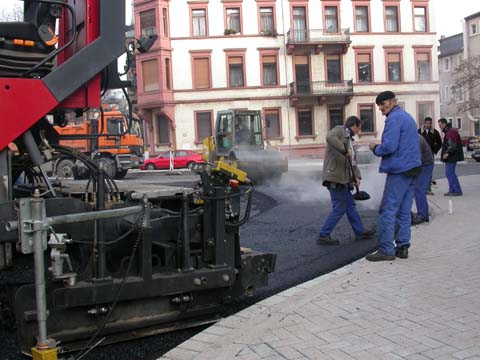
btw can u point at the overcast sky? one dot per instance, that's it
(449, 14)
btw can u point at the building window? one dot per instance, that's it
(424, 109)
(420, 18)
(235, 71)
(361, 19)
(299, 23)
(272, 123)
(473, 29)
(269, 68)
(203, 122)
(267, 24)
(233, 19)
(331, 19)
(168, 80)
(366, 115)
(201, 73)
(423, 66)
(150, 75)
(458, 123)
(364, 67)
(335, 116)
(459, 94)
(446, 93)
(394, 67)
(391, 18)
(165, 22)
(334, 69)
(148, 23)
(163, 130)
(476, 126)
(199, 22)
(305, 122)
(446, 64)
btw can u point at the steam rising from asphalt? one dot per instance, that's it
(304, 185)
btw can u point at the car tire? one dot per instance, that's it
(150, 167)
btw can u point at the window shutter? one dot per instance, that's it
(235, 60)
(393, 57)
(364, 58)
(150, 75)
(202, 73)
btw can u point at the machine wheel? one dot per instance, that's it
(65, 168)
(109, 166)
(121, 174)
(151, 167)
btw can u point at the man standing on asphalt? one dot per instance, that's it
(452, 152)
(400, 155)
(433, 139)
(338, 178)
(422, 182)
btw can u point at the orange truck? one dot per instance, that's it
(111, 140)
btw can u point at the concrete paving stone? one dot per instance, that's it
(274, 357)
(437, 352)
(334, 345)
(313, 353)
(263, 350)
(391, 356)
(244, 357)
(417, 357)
(467, 353)
(274, 300)
(232, 322)
(346, 329)
(289, 352)
(462, 341)
(337, 354)
(217, 330)
(245, 351)
(307, 344)
(293, 340)
(206, 338)
(195, 345)
(356, 348)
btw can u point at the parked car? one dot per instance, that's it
(181, 159)
(471, 142)
(476, 154)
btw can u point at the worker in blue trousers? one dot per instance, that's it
(400, 155)
(422, 182)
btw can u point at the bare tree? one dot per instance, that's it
(467, 84)
(13, 14)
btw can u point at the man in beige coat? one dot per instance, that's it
(339, 180)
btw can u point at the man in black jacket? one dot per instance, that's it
(433, 139)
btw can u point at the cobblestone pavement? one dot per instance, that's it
(424, 307)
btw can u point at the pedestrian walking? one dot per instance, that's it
(400, 155)
(452, 152)
(434, 140)
(339, 180)
(422, 182)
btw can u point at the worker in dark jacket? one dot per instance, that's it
(422, 181)
(400, 155)
(338, 179)
(433, 139)
(452, 152)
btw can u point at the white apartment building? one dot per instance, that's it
(453, 51)
(306, 64)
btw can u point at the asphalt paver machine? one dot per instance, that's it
(79, 265)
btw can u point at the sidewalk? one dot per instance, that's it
(424, 307)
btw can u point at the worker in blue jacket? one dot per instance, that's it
(400, 155)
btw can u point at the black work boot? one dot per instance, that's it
(327, 240)
(367, 234)
(401, 252)
(379, 256)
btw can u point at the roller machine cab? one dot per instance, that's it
(91, 261)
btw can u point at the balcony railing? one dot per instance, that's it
(317, 36)
(314, 88)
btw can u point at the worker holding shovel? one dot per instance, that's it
(340, 175)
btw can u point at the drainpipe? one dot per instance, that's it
(286, 78)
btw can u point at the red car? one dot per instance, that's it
(181, 159)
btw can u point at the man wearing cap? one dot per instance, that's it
(400, 155)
